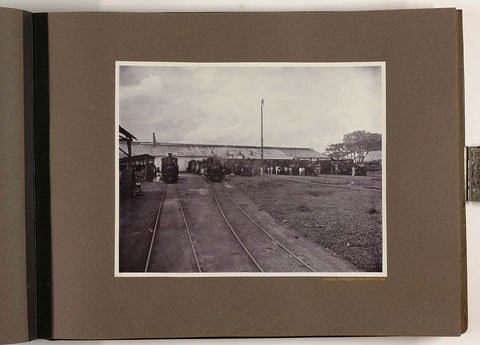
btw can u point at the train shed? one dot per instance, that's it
(188, 152)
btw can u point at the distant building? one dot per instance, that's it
(373, 157)
(188, 152)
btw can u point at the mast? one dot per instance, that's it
(261, 129)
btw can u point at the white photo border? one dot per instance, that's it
(382, 274)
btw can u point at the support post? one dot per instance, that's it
(261, 138)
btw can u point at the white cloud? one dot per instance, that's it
(304, 106)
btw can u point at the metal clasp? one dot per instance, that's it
(473, 173)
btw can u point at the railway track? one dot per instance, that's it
(157, 223)
(235, 234)
(259, 227)
(187, 229)
(155, 226)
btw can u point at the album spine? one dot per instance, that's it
(29, 147)
(42, 175)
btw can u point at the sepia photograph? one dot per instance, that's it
(248, 169)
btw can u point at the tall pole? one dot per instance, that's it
(261, 140)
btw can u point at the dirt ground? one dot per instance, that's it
(213, 242)
(341, 213)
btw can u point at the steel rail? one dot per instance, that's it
(234, 233)
(286, 178)
(266, 233)
(157, 220)
(187, 228)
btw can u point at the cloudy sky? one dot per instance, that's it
(199, 103)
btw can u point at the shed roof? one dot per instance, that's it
(373, 156)
(136, 158)
(231, 151)
(126, 133)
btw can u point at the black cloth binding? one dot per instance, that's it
(42, 176)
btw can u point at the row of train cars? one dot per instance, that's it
(212, 167)
(215, 168)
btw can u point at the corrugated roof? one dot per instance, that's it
(373, 156)
(304, 153)
(232, 151)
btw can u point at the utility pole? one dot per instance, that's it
(261, 140)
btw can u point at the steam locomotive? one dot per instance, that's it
(214, 169)
(170, 169)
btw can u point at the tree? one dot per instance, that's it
(359, 143)
(355, 145)
(336, 151)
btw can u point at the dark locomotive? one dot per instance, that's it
(214, 169)
(170, 169)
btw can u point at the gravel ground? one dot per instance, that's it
(137, 219)
(347, 221)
